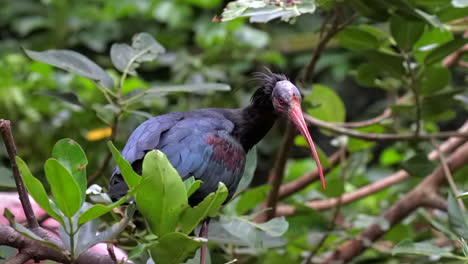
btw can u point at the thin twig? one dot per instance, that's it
(279, 171)
(320, 205)
(5, 130)
(324, 39)
(386, 114)
(450, 144)
(448, 174)
(379, 137)
(110, 250)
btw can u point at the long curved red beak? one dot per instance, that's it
(295, 114)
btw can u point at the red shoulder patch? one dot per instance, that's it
(230, 154)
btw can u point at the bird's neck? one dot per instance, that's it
(255, 123)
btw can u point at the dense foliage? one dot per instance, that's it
(93, 70)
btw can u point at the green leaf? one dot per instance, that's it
(97, 210)
(251, 198)
(388, 64)
(130, 176)
(254, 234)
(434, 78)
(249, 171)
(422, 248)
(463, 195)
(191, 185)
(144, 48)
(168, 197)
(88, 238)
(357, 39)
(64, 187)
(67, 97)
(137, 251)
(251, 237)
(73, 158)
(406, 32)
(331, 107)
(390, 156)
(73, 62)
(442, 51)
(367, 74)
(174, 248)
(460, 3)
(36, 189)
(30, 234)
(431, 38)
(458, 221)
(191, 217)
(419, 165)
(262, 12)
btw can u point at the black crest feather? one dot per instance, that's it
(265, 82)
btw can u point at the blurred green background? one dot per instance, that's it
(362, 71)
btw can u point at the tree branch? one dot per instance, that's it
(320, 205)
(5, 130)
(18, 259)
(386, 114)
(38, 251)
(380, 137)
(400, 210)
(448, 174)
(450, 144)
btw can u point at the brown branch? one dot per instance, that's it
(380, 137)
(38, 251)
(18, 259)
(455, 57)
(386, 114)
(435, 201)
(287, 210)
(450, 144)
(292, 187)
(5, 130)
(448, 174)
(280, 164)
(400, 210)
(110, 250)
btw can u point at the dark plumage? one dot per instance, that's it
(211, 144)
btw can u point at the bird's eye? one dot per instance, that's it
(281, 101)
